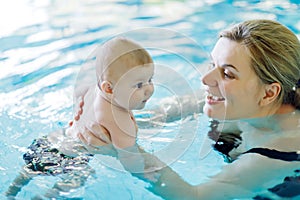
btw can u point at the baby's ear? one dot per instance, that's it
(106, 87)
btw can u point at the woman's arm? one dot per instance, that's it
(244, 178)
(169, 109)
(237, 180)
(166, 183)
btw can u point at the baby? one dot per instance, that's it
(124, 82)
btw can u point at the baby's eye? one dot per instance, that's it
(139, 85)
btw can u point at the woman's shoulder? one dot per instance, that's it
(289, 120)
(288, 140)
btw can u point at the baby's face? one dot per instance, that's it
(134, 87)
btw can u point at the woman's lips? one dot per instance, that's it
(212, 100)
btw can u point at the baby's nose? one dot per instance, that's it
(149, 89)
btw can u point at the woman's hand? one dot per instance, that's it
(94, 135)
(79, 110)
(90, 136)
(93, 143)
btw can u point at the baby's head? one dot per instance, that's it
(124, 73)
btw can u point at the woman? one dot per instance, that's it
(253, 82)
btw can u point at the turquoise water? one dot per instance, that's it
(45, 46)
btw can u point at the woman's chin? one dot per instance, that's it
(214, 113)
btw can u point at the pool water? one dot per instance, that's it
(46, 45)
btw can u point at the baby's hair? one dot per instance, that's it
(116, 49)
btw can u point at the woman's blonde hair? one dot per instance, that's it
(275, 55)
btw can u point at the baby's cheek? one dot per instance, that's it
(137, 95)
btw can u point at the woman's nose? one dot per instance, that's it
(210, 78)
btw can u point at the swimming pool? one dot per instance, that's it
(46, 45)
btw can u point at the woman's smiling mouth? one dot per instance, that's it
(211, 99)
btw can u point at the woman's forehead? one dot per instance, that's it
(229, 52)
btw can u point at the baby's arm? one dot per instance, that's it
(121, 126)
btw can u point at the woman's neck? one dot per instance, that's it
(285, 108)
(280, 120)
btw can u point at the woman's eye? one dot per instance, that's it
(211, 66)
(139, 85)
(150, 80)
(228, 74)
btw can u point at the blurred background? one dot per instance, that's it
(45, 43)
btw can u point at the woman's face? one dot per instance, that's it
(233, 89)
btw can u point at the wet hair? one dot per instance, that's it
(274, 51)
(119, 49)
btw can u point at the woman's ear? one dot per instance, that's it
(270, 94)
(106, 87)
